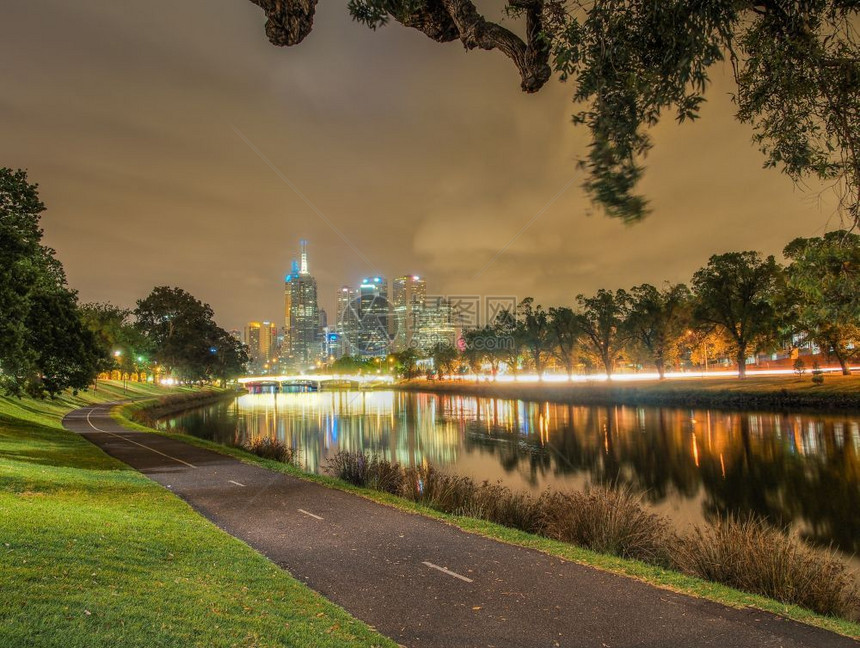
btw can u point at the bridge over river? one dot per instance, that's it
(312, 382)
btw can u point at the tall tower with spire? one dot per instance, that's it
(302, 333)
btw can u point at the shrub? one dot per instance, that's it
(439, 490)
(752, 556)
(351, 467)
(799, 367)
(606, 520)
(269, 448)
(817, 374)
(367, 471)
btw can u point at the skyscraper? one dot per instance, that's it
(408, 300)
(363, 318)
(301, 315)
(260, 339)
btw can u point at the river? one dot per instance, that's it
(796, 469)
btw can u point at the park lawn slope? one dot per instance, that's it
(753, 392)
(94, 554)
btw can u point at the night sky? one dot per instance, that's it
(140, 123)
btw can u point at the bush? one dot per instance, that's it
(606, 520)
(360, 469)
(799, 367)
(441, 491)
(351, 467)
(269, 448)
(817, 374)
(752, 556)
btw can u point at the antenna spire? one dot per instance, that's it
(304, 247)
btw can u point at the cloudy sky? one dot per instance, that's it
(174, 145)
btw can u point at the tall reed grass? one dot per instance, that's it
(269, 448)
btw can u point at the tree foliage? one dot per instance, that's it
(44, 347)
(534, 331)
(657, 321)
(184, 337)
(735, 293)
(601, 319)
(796, 65)
(823, 281)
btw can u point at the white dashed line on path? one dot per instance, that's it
(119, 436)
(237, 483)
(448, 571)
(316, 517)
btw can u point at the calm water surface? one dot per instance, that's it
(693, 465)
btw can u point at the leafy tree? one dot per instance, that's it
(184, 338)
(735, 292)
(406, 363)
(508, 334)
(564, 334)
(122, 344)
(484, 346)
(444, 358)
(796, 66)
(534, 331)
(658, 321)
(704, 343)
(354, 364)
(601, 320)
(823, 282)
(44, 348)
(228, 357)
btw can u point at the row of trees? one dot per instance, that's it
(738, 305)
(49, 342)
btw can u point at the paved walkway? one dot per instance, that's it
(425, 583)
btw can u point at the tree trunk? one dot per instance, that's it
(846, 370)
(607, 364)
(661, 368)
(742, 360)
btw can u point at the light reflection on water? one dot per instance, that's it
(693, 465)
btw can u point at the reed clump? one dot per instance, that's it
(750, 555)
(607, 520)
(269, 448)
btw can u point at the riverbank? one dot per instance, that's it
(753, 393)
(97, 555)
(153, 409)
(651, 574)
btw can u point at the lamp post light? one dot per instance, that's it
(118, 354)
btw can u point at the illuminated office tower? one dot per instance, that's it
(409, 294)
(260, 339)
(301, 316)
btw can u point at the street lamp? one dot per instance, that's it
(118, 354)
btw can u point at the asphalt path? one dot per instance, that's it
(426, 583)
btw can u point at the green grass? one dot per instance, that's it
(653, 575)
(769, 392)
(94, 554)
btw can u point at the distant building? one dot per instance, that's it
(364, 318)
(302, 330)
(437, 322)
(408, 302)
(260, 337)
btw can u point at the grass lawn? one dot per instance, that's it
(653, 575)
(94, 554)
